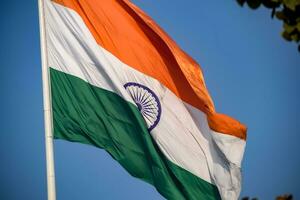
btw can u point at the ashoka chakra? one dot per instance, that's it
(146, 101)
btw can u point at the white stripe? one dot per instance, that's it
(182, 134)
(225, 174)
(232, 147)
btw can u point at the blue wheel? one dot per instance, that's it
(147, 103)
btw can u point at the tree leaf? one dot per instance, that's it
(298, 27)
(291, 4)
(286, 36)
(271, 4)
(295, 37)
(280, 15)
(254, 4)
(289, 28)
(241, 2)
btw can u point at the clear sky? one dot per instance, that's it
(251, 72)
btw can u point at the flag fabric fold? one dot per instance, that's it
(120, 83)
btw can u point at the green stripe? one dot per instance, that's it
(91, 115)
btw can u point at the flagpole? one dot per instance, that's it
(47, 106)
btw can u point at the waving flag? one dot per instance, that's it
(120, 83)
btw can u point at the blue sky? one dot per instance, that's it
(251, 72)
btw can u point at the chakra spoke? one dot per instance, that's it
(147, 111)
(147, 116)
(144, 93)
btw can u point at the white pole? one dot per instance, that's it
(47, 106)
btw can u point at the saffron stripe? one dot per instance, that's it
(133, 37)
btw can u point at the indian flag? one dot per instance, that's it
(120, 83)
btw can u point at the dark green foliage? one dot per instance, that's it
(254, 4)
(288, 11)
(247, 198)
(283, 197)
